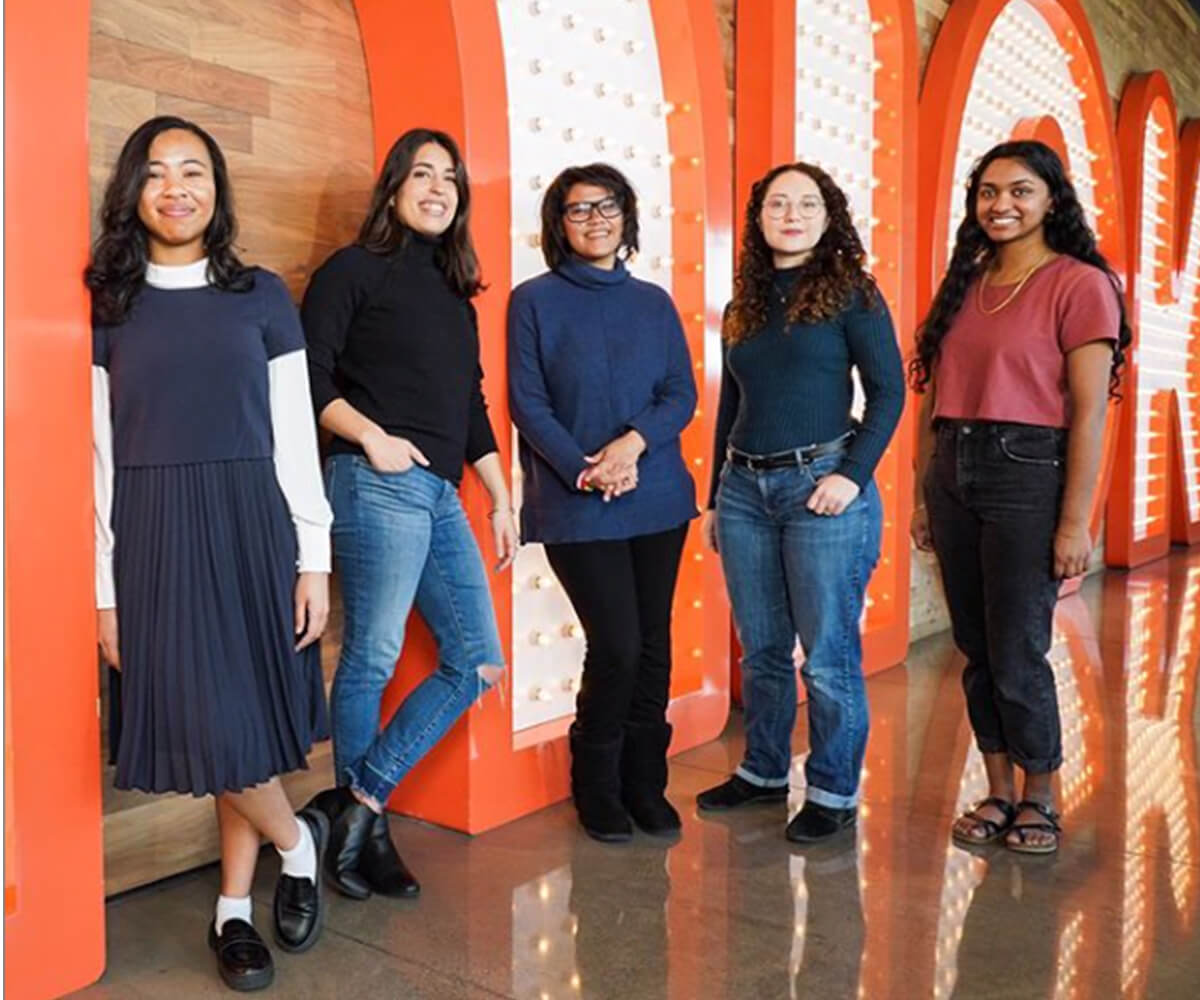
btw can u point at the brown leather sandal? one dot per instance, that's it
(993, 830)
(1051, 826)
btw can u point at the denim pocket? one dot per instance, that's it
(1030, 447)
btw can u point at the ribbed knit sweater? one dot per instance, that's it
(789, 385)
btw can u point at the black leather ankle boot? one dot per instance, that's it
(350, 826)
(382, 867)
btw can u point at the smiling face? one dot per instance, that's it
(1012, 202)
(428, 198)
(793, 218)
(595, 238)
(178, 198)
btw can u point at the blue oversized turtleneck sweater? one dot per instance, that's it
(591, 354)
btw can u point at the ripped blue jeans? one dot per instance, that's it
(399, 539)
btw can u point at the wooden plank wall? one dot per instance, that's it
(282, 86)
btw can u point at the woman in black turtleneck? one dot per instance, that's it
(394, 366)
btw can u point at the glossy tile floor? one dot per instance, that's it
(536, 910)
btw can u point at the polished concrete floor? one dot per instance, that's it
(536, 910)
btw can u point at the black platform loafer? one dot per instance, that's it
(298, 900)
(737, 792)
(243, 958)
(349, 827)
(815, 822)
(382, 867)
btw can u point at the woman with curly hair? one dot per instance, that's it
(212, 530)
(794, 512)
(1017, 358)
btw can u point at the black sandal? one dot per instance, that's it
(1051, 826)
(993, 831)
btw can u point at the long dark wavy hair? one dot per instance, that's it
(828, 278)
(382, 232)
(1065, 231)
(555, 248)
(117, 270)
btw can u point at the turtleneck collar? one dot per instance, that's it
(175, 276)
(419, 247)
(581, 273)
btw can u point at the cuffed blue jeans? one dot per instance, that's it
(792, 573)
(403, 538)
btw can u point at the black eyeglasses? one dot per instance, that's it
(581, 211)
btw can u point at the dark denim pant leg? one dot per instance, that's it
(751, 549)
(1007, 478)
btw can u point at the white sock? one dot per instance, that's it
(301, 860)
(232, 908)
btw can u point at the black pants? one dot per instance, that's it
(993, 493)
(622, 592)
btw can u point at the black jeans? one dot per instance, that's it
(993, 494)
(622, 591)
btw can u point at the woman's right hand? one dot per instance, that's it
(919, 529)
(106, 629)
(708, 530)
(388, 453)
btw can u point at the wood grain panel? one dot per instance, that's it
(282, 87)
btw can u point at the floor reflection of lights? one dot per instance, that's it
(543, 938)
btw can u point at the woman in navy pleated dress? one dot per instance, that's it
(212, 529)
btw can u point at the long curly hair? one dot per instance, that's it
(382, 232)
(1065, 231)
(827, 279)
(117, 271)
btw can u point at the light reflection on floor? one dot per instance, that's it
(535, 910)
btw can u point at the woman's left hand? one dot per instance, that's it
(504, 536)
(312, 607)
(834, 493)
(1072, 550)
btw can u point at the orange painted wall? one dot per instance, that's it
(54, 885)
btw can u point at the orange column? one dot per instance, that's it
(54, 880)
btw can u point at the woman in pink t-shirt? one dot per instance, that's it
(1018, 356)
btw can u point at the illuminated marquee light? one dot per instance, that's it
(582, 86)
(1158, 501)
(1160, 759)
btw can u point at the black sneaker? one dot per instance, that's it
(816, 822)
(737, 791)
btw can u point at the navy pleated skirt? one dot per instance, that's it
(214, 696)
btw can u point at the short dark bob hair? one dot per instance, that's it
(555, 248)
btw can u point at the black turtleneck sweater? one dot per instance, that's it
(789, 385)
(388, 334)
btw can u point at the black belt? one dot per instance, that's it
(788, 459)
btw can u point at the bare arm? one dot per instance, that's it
(1087, 378)
(501, 519)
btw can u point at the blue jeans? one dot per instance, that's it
(400, 538)
(793, 573)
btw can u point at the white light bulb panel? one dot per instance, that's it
(835, 98)
(584, 85)
(1023, 72)
(1165, 332)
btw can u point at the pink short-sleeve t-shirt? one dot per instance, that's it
(1012, 365)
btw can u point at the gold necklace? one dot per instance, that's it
(1011, 295)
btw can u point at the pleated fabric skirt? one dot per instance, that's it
(214, 696)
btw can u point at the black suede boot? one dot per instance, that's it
(596, 788)
(350, 825)
(644, 778)
(382, 867)
(815, 822)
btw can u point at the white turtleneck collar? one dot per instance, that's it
(194, 275)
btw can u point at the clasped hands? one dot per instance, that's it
(613, 469)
